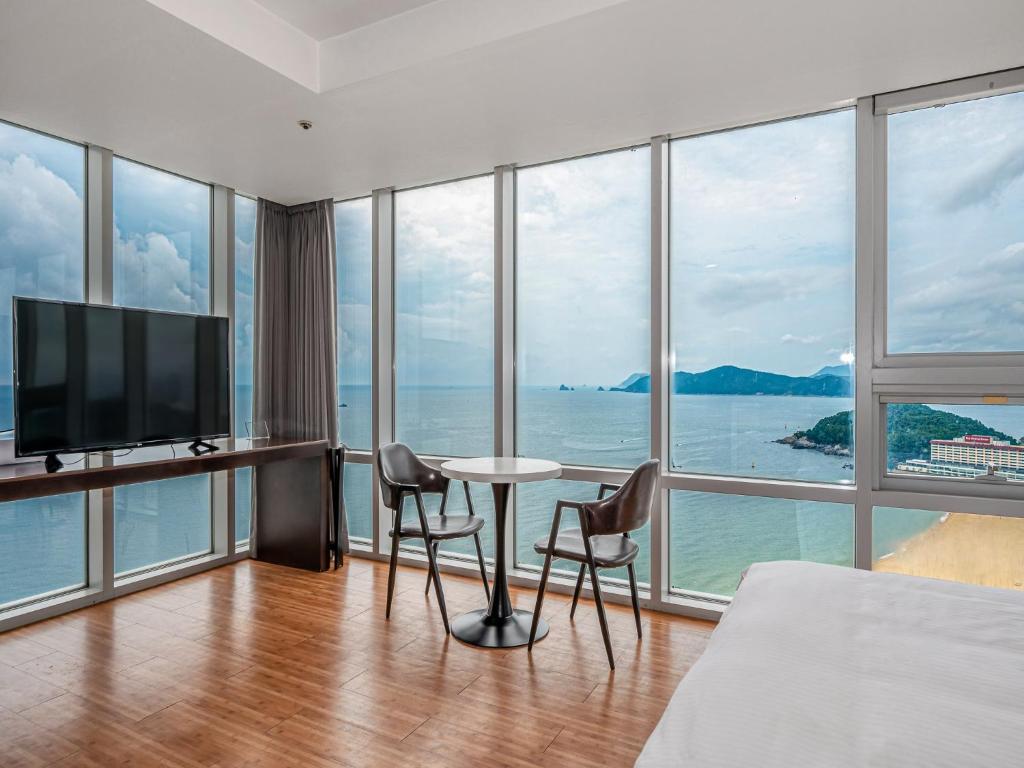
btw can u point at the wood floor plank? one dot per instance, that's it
(258, 665)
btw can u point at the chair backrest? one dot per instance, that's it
(398, 465)
(629, 507)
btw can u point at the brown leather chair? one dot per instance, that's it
(601, 541)
(403, 474)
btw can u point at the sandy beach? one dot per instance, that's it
(976, 549)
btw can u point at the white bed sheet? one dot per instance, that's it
(818, 665)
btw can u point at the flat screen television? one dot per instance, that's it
(90, 377)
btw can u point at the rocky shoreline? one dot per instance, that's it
(804, 443)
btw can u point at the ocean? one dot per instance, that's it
(712, 537)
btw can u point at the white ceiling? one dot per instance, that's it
(321, 19)
(472, 92)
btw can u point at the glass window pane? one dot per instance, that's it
(359, 500)
(161, 240)
(762, 254)
(353, 224)
(42, 254)
(42, 232)
(955, 440)
(583, 309)
(161, 261)
(42, 547)
(535, 511)
(159, 522)
(243, 505)
(444, 328)
(245, 238)
(955, 230)
(957, 546)
(713, 537)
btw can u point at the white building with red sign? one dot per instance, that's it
(978, 450)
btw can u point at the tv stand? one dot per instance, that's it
(53, 462)
(200, 448)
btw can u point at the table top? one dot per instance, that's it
(501, 469)
(112, 468)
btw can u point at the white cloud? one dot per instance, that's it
(41, 230)
(789, 338)
(151, 273)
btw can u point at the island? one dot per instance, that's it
(910, 428)
(732, 380)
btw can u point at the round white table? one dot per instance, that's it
(499, 625)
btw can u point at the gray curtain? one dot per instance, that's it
(295, 387)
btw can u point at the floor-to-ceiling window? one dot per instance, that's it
(353, 228)
(161, 261)
(762, 223)
(245, 236)
(582, 266)
(42, 254)
(444, 325)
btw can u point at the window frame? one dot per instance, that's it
(879, 377)
(930, 376)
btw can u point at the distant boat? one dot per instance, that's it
(343, 405)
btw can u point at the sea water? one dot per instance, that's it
(712, 537)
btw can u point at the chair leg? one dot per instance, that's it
(596, 584)
(579, 588)
(392, 567)
(430, 573)
(437, 586)
(636, 599)
(540, 600)
(483, 568)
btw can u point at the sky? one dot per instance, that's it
(353, 229)
(956, 227)
(762, 239)
(762, 246)
(161, 239)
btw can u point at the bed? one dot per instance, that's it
(818, 665)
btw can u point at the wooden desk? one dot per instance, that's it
(292, 487)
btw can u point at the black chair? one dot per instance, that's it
(403, 474)
(601, 541)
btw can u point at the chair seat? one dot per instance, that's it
(609, 551)
(441, 526)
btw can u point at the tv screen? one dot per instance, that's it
(89, 377)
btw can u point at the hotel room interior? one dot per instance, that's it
(490, 383)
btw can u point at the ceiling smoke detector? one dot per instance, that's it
(305, 124)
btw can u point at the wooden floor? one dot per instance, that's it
(257, 665)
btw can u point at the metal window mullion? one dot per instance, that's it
(869, 328)
(950, 92)
(504, 329)
(222, 205)
(661, 362)
(383, 314)
(99, 289)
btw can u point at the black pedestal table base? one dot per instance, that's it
(498, 625)
(510, 632)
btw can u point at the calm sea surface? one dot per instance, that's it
(712, 537)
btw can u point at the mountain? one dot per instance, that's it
(730, 380)
(910, 428)
(630, 381)
(843, 371)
